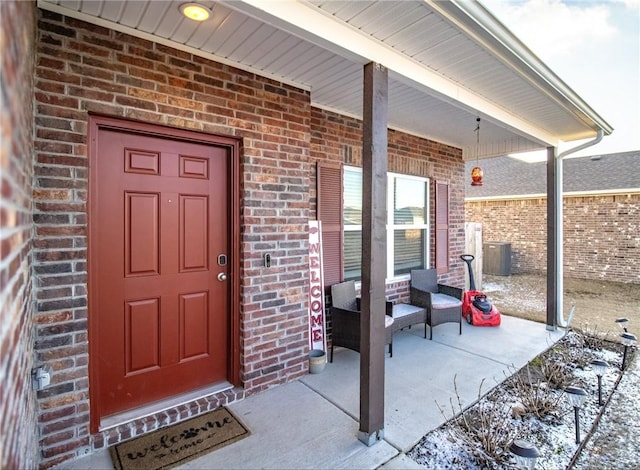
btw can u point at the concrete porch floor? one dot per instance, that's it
(312, 423)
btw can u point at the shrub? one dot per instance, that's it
(484, 428)
(537, 396)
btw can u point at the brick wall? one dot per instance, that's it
(339, 139)
(17, 401)
(601, 234)
(602, 237)
(83, 68)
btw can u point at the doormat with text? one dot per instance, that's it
(176, 444)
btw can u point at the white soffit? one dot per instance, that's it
(445, 69)
(316, 22)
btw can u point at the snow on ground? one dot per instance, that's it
(616, 441)
(554, 435)
(489, 287)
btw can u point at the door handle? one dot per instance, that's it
(222, 277)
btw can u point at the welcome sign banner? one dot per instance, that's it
(317, 334)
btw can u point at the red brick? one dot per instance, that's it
(57, 100)
(87, 49)
(596, 234)
(55, 293)
(90, 94)
(63, 448)
(53, 147)
(56, 438)
(58, 207)
(55, 29)
(63, 424)
(55, 52)
(105, 41)
(91, 28)
(147, 74)
(57, 414)
(168, 86)
(136, 103)
(135, 82)
(16, 315)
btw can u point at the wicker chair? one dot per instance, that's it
(443, 303)
(345, 319)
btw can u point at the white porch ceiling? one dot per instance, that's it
(448, 63)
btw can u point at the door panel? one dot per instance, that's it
(161, 316)
(142, 233)
(142, 335)
(194, 233)
(194, 325)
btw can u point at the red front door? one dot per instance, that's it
(160, 259)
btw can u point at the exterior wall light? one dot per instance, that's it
(576, 396)
(195, 11)
(526, 454)
(628, 339)
(476, 176)
(600, 368)
(476, 172)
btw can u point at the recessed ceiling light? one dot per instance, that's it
(195, 11)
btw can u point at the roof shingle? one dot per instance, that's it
(507, 176)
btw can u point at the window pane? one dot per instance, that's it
(408, 250)
(409, 201)
(352, 255)
(352, 197)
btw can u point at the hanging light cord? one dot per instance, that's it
(477, 130)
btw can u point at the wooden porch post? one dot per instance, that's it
(554, 193)
(374, 253)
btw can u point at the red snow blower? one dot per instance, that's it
(476, 308)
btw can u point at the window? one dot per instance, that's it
(352, 216)
(408, 231)
(407, 223)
